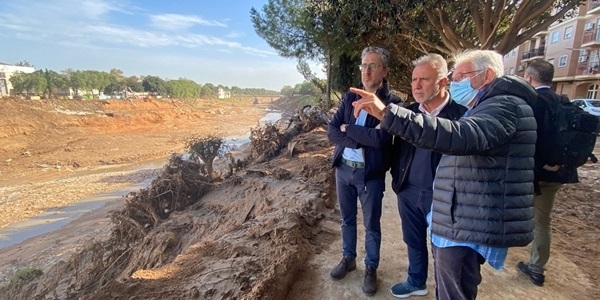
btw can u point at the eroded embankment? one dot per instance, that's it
(183, 237)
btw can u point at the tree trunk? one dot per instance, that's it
(328, 88)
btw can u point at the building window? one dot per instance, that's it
(562, 61)
(592, 91)
(588, 26)
(512, 71)
(568, 32)
(2, 75)
(583, 56)
(554, 37)
(514, 52)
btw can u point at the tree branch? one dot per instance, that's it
(516, 38)
(447, 33)
(474, 12)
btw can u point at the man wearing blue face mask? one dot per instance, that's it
(462, 92)
(483, 186)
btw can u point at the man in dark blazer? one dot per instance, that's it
(413, 170)
(548, 178)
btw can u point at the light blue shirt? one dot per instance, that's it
(356, 154)
(495, 256)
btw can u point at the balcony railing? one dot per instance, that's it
(590, 68)
(533, 53)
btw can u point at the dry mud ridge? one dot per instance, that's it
(270, 231)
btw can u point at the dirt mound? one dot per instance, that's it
(245, 239)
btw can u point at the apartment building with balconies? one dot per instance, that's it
(573, 46)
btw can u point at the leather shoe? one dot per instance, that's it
(536, 278)
(370, 282)
(345, 266)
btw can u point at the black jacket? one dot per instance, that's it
(402, 152)
(545, 140)
(483, 187)
(372, 140)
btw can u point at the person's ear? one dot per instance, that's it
(386, 71)
(443, 82)
(489, 76)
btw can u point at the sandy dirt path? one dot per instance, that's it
(565, 279)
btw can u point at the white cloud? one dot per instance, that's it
(179, 22)
(234, 35)
(44, 10)
(82, 25)
(98, 8)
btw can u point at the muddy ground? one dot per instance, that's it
(269, 232)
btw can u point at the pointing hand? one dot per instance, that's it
(369, 102)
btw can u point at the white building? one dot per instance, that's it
(222, 94)
(6, 71)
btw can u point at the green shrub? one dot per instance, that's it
(27, 274)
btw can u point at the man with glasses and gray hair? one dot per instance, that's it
(360, 167)
(483, 186)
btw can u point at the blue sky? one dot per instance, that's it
(202, 40)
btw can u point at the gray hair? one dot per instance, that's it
(436, 61)
(383, 54)
(481, 60)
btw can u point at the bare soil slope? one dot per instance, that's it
(63, 139)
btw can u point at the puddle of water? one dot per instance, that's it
(270, 117)
(54, 219)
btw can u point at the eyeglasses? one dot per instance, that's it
(460, 76)
(371, 66)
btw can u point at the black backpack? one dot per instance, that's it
(573, 133)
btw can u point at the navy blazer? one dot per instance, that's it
(372, 140)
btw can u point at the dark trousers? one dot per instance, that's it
(413, 205)
(457, 272)
(350, 186)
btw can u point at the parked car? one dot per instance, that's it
(590, 105)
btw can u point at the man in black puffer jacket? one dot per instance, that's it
(483, 187)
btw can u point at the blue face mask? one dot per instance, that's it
(462, 92)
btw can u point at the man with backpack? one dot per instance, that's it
(548, 176)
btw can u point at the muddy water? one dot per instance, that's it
(54, 219)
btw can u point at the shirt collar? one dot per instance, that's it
(438, 109)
